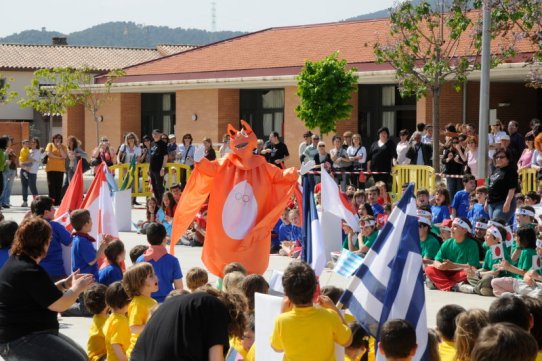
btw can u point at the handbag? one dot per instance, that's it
(44, 160)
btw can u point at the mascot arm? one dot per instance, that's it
(194, 195)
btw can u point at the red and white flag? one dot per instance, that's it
(497, 251)
(536, 263)
(99, 203)
(334, 202)
(73, 198)
(64, 219)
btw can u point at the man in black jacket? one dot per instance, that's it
(419, 153)
(157, 166)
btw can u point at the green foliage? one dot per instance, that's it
(6, 95)
(124, 34)
(325, 88)
(51, 91)
(521, 20)
(419, 52)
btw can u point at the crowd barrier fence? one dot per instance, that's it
(141, 186)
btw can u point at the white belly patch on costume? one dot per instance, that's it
(240, 211)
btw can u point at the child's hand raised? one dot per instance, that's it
(108, 238)
(326, 302)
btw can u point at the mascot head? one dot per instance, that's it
(243, 141)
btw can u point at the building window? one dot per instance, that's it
(263, 109)
(158, 112)
(383, 106)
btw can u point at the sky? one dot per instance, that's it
(67, 16)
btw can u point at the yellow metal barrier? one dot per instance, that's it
(528, 181)
(422, 176)
(141, 186)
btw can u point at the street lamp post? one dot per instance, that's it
(483, 120)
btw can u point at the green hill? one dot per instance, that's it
(124, 34)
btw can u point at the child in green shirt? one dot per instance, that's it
(526, 239)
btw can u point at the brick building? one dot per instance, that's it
(253, 77)
(19, 61)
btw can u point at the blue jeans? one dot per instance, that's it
(43, 346)
(495, 210)
(28, 180)
(9, 176)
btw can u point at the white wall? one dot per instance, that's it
(18, 80)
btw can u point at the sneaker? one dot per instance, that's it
(430, 284)
(455, 288)
(466, 288)
(24, 204)
(6, 206)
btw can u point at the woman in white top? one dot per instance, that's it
(129, 149)
(186, 150)
(341, 162)
(470, 156)
(402, 148)
(225, 147)
(358, 155)
(186, 156)
(29, 171)
(494, 137)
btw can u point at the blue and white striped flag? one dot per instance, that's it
(313, 242)
(347, 263)
(389, 283)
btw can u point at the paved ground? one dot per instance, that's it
(77, 328)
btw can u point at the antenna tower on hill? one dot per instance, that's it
(213, 16)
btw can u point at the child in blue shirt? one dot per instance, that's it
(460, 203)
(441, 210)
(115, 254)
(7, 234)
(373, 193)
(84, 254)
(166, 267)
(53, 263)
(477, 210)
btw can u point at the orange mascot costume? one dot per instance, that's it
(246, 197)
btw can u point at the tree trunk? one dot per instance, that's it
(435, 92)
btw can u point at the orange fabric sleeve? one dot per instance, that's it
(194, 195)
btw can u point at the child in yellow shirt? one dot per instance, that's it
(24, 154)
(446, 328)
(140, 282)
(116, 329)
(300, 319)
(94, 298)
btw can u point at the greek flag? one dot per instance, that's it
(347, 263)
(389, 283)
(313, 244)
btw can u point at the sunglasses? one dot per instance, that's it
(321, 146)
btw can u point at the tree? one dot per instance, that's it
(428, 47)
(325, 88)
(522, 20)
(6, 95)
(93, 97)
(51, 92)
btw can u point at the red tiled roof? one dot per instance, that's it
(284, 47)
(31, 57)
